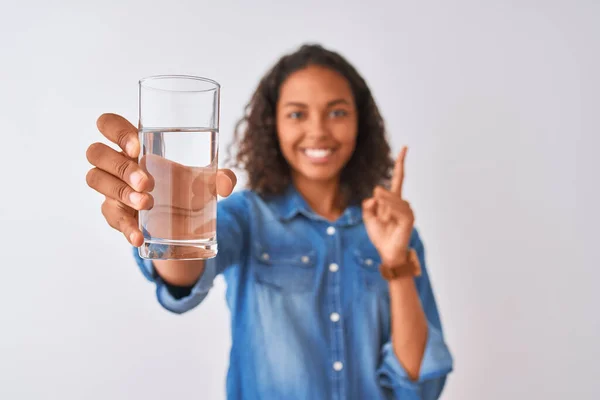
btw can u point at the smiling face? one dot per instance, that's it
(317, 123)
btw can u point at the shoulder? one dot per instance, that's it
(255, 206)
(235, 203)
(244, 197)
(237, 197)
(240, 202)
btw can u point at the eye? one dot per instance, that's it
(296, 115)
(338, 113)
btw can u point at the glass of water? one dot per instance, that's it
(178, 129)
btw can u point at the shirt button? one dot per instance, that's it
(305, 259)
(338, 366)
(369, 262)
(265, 256)
(333, 267)
(335, 317)
(331, 231)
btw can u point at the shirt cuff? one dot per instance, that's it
(436, 364)
(165, 298)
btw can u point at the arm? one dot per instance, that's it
(179, 273)
(419, 372)
(416, 360)
(127, 187)
(179, 289)
(409, 325)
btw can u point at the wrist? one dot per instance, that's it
(396, 262)
(402, 283)
(401, 267)
(401, 257)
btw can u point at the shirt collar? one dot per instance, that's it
(291, 203)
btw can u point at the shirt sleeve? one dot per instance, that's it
(437, 361)
(232, 228)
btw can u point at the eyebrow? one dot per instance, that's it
(329, 104)
(338, 101)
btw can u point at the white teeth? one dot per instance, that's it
(317, 153)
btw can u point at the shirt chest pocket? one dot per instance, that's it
(368, 261)
(288, 269)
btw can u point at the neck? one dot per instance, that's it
(324, 197)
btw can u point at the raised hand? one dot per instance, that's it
(389, 219)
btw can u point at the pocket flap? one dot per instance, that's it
(298, 256)
(368, 258)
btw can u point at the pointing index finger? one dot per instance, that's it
(398, 174)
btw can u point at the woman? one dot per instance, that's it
(327, 284)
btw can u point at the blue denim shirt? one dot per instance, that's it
(310, 311)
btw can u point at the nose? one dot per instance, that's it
(317, 128)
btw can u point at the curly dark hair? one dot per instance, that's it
(257, 144)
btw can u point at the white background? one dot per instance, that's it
(498, 100)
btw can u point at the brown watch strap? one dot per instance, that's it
(411, 267)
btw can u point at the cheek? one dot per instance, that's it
(287, 139)
(349, 148)
(346, 135)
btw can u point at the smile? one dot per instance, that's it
(317, 153)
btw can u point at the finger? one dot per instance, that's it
(205, 229)
(396, 209)
(369, 204)
(387, 198)
(179, 224)
(226, 181)
(382, 193)
(163, 170)
(398, 174)
(402, 213)
(111, 212)
(116, 189)
(122, 218)
(119, 165)
(369, 207)
(206, 181)
(128, 225)
(177, 185)
(204, 188)
(383, 211)
(183, 187)
(120, 131)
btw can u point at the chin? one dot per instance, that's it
(325, 175)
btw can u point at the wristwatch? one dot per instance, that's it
(411, 267)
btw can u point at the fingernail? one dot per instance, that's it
(136, 197)
(130, 148)
(136, 179)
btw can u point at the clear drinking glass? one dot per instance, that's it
(178, 130)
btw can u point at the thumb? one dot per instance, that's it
(369, 207)
(226, 181)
